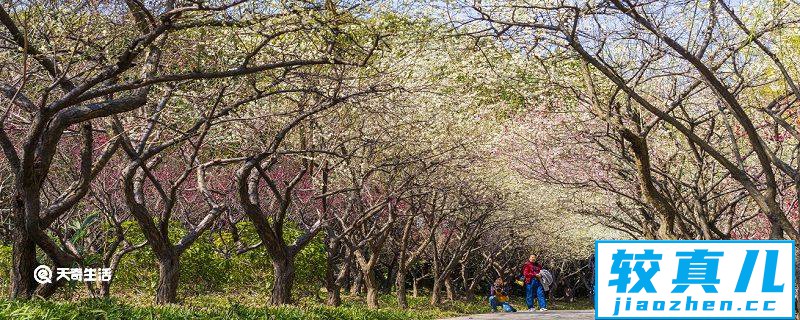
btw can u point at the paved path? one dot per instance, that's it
(525, 315)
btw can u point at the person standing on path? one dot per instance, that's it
(533, 284)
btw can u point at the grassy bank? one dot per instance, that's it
(249, 307)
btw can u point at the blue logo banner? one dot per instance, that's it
(690, 279)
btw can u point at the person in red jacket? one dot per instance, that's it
(533, 283)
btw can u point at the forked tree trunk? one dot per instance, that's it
(372, 286)
(284, 279)
(168, 279)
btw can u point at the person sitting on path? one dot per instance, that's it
(498, 296)
(533, 284)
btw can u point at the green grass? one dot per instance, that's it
(240, 307)
(110, 309)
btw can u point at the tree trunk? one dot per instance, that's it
(401, 289)
(48, 289)
(92, 289)
(105, 289)
(390, 276)
(415, 290)
(436, 297)
(23, 256)
(448, 285)
(334, 298)
(168, 279)
(23, 261)
(650, 194)
(372, 286)
(355, 289)
(469, 294)
(776, 229)
(284, 279)
(796, 275)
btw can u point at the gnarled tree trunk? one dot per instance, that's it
(168, 279)
(372, 286)
(23, 257)
(284, 279)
